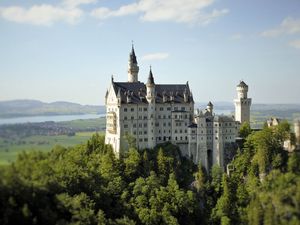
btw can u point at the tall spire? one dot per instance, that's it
(133, 68)
(132, 55)
(150, 78)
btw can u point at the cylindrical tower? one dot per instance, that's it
(133, 68)
(242, 103)
(210, 107)
(151, 110)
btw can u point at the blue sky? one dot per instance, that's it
(68, 49)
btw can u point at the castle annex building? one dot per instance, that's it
(154, 113)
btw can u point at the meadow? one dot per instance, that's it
(9, 150)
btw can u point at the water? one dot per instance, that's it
(58, 118)
(61, 118)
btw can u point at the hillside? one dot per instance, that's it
(19, 108)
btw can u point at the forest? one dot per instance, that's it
(87, 184)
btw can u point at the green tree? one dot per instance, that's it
(245, 130)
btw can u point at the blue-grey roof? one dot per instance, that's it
(137, 92)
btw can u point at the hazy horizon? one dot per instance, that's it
(216, 103)
(67, 50)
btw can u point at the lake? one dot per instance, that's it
(61, 118)
(57, 118)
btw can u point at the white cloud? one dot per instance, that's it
(41, 14)
(287, 26)
(189, 11)
(76, 3)
(155, 56)
(295, 43)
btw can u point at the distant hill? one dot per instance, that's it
(18, 108)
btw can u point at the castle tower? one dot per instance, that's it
(210, 107)
(133, 68)
(150, 85)
(242, 103)
(297, 131)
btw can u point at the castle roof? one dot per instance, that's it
(242, 84)
(164, 92)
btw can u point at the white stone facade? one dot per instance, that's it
(242, 103)
(157, 113)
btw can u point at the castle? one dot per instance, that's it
(156, 113)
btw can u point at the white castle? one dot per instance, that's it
(157, 113)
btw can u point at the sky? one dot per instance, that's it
(67, 50)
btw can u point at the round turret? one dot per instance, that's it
(150, 85)
(242, 89)
(133, 68)
(210, 107)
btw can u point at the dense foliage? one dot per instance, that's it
(87, 184)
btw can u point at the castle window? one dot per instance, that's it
(169, 116)
(176, 108)
(186, 137)
(181, 138)
(145, 124)
(141, 139)
(125, 109)
(176, 138)
(164, 116)
(164, 124)
(145, 139)
(169, 124)
(156, 124)
(134, 132)
(125, 117)
(140, 117)
(132, 117)
(140, 125)
(185, 131)
(175, 131)
(216, 138)
(183, 108)
(159, 138)
(169, 109)
(159, 116)
(145, 132)
(145, 117)
(158, 131)
(145, 109)
(125, 125)
(140, 132)
(161, 109)
(134, 125)
(180, 131)
(175, 116)
(140, 109)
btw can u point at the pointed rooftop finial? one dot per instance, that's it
(112, 78)
(150, 78)
(132, 56)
